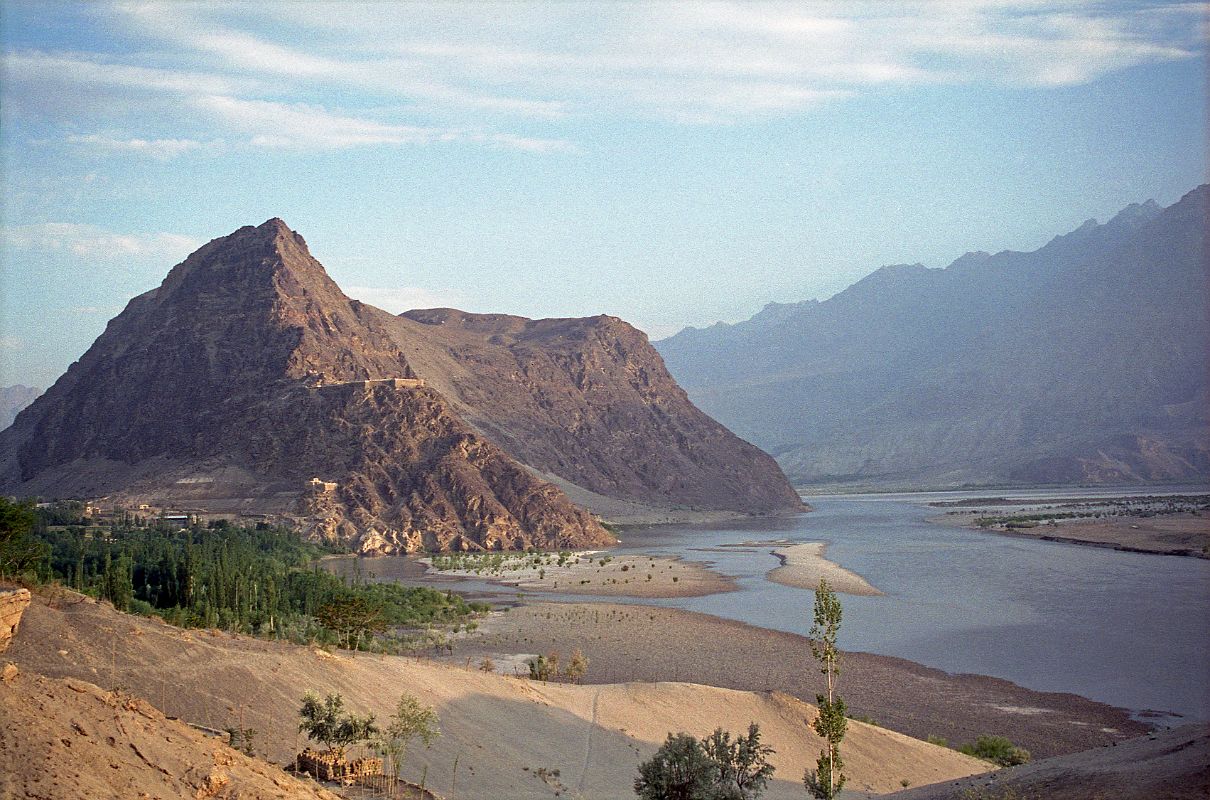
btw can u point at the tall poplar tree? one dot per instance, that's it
(826, 780)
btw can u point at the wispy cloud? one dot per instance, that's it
(162, 149)
(305, 126)
(508, 76)
(89, 241)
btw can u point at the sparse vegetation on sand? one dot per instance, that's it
(498, 564)
(1166, 524)
(584, 572)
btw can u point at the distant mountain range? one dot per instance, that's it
(1082, 362)
(12, 400)
(248, 382)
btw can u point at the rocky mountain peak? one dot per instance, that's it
(248, 378)
(248, 263)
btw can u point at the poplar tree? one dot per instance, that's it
(826, 780)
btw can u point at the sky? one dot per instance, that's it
(669, 163)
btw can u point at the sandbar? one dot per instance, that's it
(803, 566)
(1182, 534)
(593, 573)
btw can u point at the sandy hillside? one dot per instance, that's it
(649, 644)
(1173, 765)
(69, 738)
(500, 731)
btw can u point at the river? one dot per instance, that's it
(1128, 629)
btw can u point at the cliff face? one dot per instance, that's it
(410, 475)
(244, 375)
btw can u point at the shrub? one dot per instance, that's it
(716, 768)
(679, 770)
(577, 666)
(324, 721)
(996, 749)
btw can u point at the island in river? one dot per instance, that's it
(1163, 524)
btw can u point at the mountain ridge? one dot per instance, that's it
(1069, 354)
(247, 373)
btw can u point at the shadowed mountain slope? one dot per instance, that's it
(1083, 361)
(247, 373)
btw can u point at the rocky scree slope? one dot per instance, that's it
(590, 400)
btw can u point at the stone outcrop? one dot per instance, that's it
(247, 374)
(13, 603)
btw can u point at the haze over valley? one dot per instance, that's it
(1082, 362)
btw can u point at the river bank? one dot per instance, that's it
(646, 643)
(1178, 526)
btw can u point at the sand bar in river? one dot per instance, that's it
(596, 574)
(803, 566)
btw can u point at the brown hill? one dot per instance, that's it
(590, 401)
(247, 372)
(498, 731)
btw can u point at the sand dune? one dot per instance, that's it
(499, 731)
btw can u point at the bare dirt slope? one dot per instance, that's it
(498, 731)
(67, 738)
(1172, 764)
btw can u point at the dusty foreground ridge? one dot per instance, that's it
(67, 738)
(1172, 764)
(499, 730)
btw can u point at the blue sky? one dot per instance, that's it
(672, 164)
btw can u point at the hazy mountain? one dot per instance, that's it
(12, 400)
(1083, 361)
(243, 376)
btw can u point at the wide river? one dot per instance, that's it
(1128, 629)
